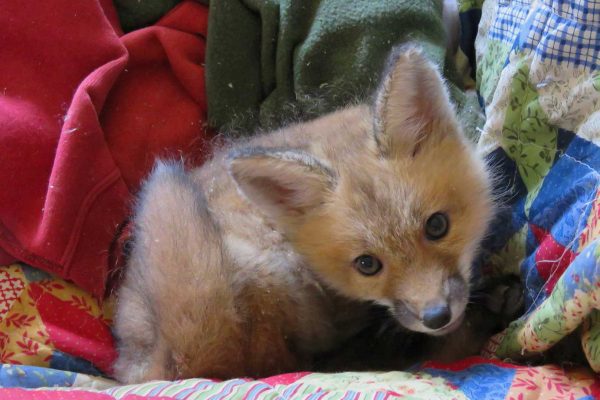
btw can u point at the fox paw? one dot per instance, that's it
(506, 299)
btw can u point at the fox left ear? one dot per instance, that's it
(411, 104)
(286, 183)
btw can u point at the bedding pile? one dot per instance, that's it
(538, 81)
(55, 338)
(475, 379)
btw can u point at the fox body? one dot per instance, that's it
(275, 250)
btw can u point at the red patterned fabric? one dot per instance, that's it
(48, 322)
(73, 328)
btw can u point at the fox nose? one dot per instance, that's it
(437, 316)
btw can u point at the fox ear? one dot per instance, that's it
(281, 183)
(411, 104)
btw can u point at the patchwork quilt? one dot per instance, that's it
(55, 336)
(48, 322)
(471, 379)
(538, 82)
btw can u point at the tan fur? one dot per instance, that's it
(245, 265)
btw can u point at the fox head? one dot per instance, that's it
(390, 203)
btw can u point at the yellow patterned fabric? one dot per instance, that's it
(48, 322)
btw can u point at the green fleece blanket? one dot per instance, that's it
(269, 61)
(135, 14)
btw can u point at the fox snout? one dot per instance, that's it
(437, 315)
(435, 312)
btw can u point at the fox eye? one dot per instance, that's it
(367, 265)
(437, 226)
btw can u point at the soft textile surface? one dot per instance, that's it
(134, 14)
(538, 76)
(47, 322)
(538, 79)
(473, 379)
(268, 60)
(83, 113)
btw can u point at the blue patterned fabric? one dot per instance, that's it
(481, 381)
(566, 32)
(34, 377)
(511, 15)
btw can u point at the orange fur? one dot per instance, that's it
(245, 265)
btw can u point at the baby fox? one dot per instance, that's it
(276, 249)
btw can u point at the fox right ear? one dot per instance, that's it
(411, 104)
(282, 183)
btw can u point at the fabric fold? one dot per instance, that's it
(84, 112)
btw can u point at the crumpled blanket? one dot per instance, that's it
(474, 378)
(84, 110)
(538, 70)
(538, 80)
(270, 61)
(55, 338)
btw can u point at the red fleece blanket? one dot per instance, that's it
(84, 110)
